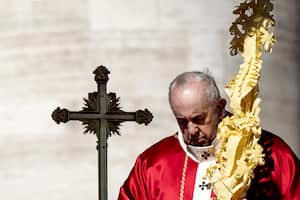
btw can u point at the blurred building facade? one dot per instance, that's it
(48, 50)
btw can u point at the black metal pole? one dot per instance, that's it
(102, 140)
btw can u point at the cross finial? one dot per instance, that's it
(101, 74)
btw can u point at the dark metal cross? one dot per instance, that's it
(205, 185)
(101, 115)
(205, 155)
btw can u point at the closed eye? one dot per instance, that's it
(182, 122)
(199, 119)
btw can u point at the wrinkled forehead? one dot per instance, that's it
(189, 97)
(192, 88)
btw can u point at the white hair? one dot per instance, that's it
(212, 91)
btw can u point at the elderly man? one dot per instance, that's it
(174, 168)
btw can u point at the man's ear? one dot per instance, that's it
(221, 107)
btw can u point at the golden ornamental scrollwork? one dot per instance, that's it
(239, 152)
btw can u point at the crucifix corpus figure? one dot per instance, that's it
(101, 115)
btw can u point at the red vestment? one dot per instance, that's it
(157, 173)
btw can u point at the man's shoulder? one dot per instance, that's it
(165, 145)
(273, 144)
(166, 148)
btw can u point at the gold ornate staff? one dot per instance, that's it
(239, 152)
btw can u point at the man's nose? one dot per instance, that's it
(192, 128)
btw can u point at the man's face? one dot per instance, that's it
(196, 117)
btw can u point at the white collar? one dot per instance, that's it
(199, 154)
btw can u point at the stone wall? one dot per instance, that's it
(48, 50)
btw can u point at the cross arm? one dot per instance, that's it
(64, 115)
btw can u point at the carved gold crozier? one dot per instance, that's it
(239, 152)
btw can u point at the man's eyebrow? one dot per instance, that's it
(202, 114)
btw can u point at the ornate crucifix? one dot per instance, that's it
(101, 115)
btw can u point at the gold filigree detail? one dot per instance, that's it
(252, 15)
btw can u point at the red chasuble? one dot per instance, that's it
(158, 173)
